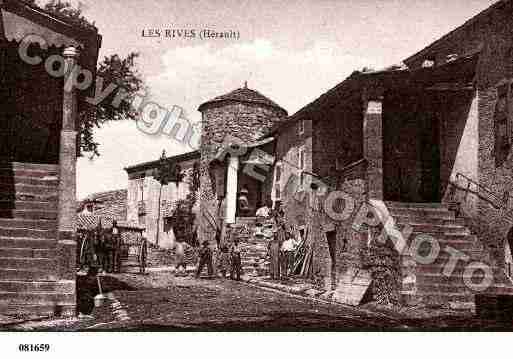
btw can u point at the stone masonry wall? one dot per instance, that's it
(337, 135)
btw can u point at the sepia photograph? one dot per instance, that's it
(208, 166)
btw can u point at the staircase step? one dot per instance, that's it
(443, 288)
(27, 243)
(435, 214)
(51, 181)
(28, 263)
(423, 220)
(37, 287)
(44, 167)
(24, 197)
(20, 223)
(42, 298)
(435, 205)
(439, 299)
(28, 189)
(433, 228)
(27, 253)
(461, 288)
(35, 311)
(27, 275)
(28, 214)
(29, 205)
(28, 233)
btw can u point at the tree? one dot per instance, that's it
(165, 173)
(113, 69)
(183, 216)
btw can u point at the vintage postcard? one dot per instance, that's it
(255, 166)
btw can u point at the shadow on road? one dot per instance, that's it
(87, 289)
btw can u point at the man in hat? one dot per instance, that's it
(205, 258)
(236, 260)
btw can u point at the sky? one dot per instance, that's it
(290, 51)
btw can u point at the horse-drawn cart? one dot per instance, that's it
(108, 245)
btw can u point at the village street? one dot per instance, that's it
(160, 301)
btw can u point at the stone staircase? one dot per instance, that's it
(426, 284)
(254, 248)
(29, 284)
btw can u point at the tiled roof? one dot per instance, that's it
(90, 221)
(194, 155)
(244, 95)
(108, 194)
(110, 204)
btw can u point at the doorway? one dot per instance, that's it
(331, 237)
(411, 149)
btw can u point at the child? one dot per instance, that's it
(224, 261)
(205, 257)
(180, 258)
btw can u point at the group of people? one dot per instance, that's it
(282, 249)
(282, 244)
(228, 260)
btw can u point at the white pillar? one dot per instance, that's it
(231, 189)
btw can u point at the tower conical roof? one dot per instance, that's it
(244, 95)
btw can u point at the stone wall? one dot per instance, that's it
(356, 250)
(492, 223)
(338, 135)
(459, 145)
(287, 154)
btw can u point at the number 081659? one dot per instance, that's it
(34, 347)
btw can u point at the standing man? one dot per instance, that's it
(236, 260)
(180, 258)
(287, 254)
(205, 258)
(273, 249)
(116, 244)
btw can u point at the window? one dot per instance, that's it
(277, 192)
(301, 166)
(301, 127)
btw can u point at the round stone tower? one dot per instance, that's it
(244, 114)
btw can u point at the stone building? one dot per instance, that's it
(143, 197)
(232, 124)
(38, 146)
(432, 140)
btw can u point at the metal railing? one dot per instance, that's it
(470, 186)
